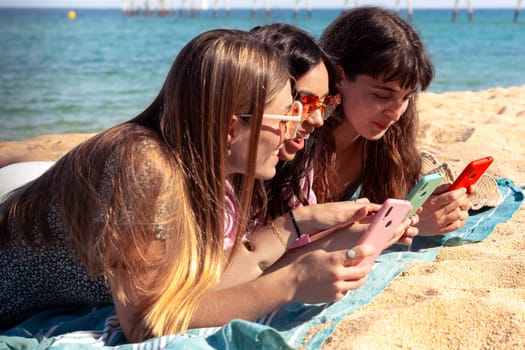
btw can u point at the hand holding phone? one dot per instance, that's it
(381, 229)
(472, 172)
(422, 190)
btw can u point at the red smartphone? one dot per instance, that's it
(471, 174)
(387, 219)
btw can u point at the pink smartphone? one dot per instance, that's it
(391, 214)
(471, 174)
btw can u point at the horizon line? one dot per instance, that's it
(250, 8)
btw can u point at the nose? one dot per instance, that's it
(314, 119)
(394, 109)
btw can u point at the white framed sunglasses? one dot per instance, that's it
(289, 124)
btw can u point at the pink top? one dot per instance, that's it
(230, 217)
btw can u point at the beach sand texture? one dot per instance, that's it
(471, 296)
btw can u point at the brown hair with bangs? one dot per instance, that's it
(375, 42)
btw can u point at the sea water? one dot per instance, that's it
(59, 75)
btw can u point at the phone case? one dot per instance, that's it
(391, 214)
(422, 190)
(471, 173)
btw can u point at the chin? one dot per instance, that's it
(286, 156)
(266, 175)
(374, 137)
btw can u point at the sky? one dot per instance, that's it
(75, 4)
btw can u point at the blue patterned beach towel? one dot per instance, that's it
(292, 326)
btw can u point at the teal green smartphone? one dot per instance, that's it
(422, 190)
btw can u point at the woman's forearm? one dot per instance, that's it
(319, 272)
(246, 301)
(268, 244)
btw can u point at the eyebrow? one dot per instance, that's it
(287, 108)
(386, 88)
(383, 87)
(307, 92)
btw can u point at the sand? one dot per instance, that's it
(471, 296)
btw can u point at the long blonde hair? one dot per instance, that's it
(160, 175)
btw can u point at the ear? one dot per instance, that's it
(341, 71)
(342, 76)
(232, 129)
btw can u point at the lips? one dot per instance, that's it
(296, 144)
(381, 126)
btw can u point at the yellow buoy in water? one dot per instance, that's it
(71, 15)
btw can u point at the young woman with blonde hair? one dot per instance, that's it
(125, 208)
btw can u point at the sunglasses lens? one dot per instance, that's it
(310, 103)
(326, 107)
(330, 104)
(293, 125)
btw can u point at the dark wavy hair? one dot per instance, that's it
(378, 43)
(303, 53)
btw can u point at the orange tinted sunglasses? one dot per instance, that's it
(312, 103)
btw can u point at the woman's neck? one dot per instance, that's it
(349, 154)
(345, 136)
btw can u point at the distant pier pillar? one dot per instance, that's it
(346, 5)
(267, 11)
(456, 10)
(297, 8)
(308, 9)
(215, 8)
(410, 10)
(517, 10)
(164, 8)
